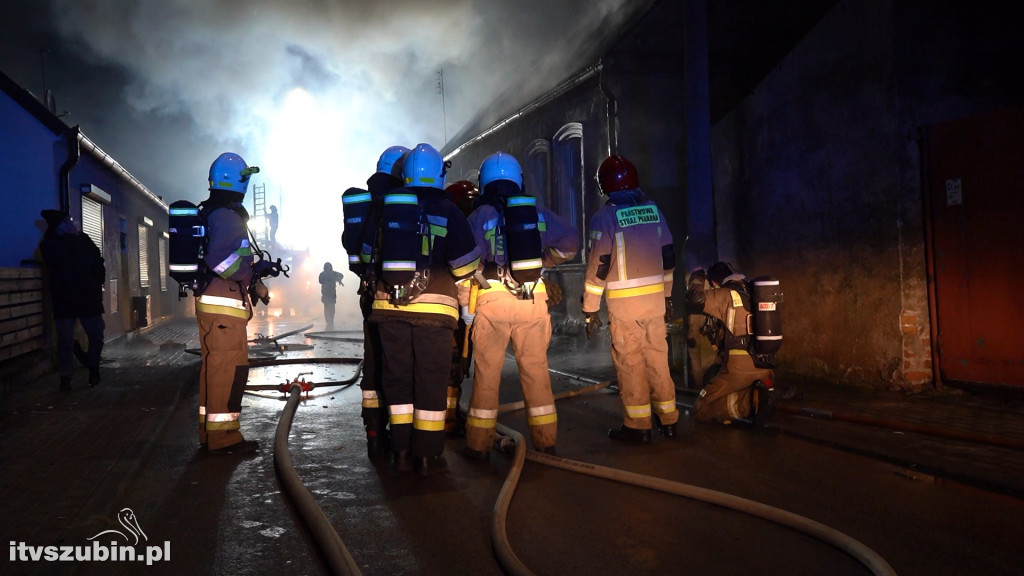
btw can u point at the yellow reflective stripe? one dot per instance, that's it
(527, 264)
(222, 301)
(638, 291)
(466, 269)
(371, 402)
(429, 420)
(401, 413)
(212, 426)
(638, 411)
(227, 311)
(667, 277)
(453, 402)
(541, 420)
(542, 415)
(737, 301)
(666, 407)
(737, 352)
(481, 422)
(418, 307)
(595, 290)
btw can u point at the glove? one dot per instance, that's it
(554, 292)
(466, 316)
(593, 323)
(263, 268)
(668, 310)
(258, 292)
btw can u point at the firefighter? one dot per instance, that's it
(630, 263)
(463, 194)
(362, 212)
(740, 390)
(425, 245)
(513, 308)
(223, 309)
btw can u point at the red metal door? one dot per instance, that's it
(974, 177)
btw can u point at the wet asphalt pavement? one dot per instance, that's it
(227, 514)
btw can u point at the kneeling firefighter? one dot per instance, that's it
(517, 240)
(742, 390)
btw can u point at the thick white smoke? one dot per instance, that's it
(314, 91)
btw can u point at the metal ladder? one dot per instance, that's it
(259, 209)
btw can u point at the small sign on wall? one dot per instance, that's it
(954, 192)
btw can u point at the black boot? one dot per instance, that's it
(403, 461)
(668, 431)
(94, 377)
(431, 465)
(626, 434)
(764, 400)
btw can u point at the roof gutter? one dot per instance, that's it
(106, 160)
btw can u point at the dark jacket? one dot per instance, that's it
(76, 274)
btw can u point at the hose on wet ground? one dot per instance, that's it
(511, 563)
(337, 556)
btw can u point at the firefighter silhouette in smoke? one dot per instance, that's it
(630, 262)
(328, 279)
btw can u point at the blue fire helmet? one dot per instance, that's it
(230, 172)
(390, 161)
(423, 166)
(500, 166)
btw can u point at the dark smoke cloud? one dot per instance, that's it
(312, 91)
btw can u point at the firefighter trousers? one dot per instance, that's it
(640, 356)
(417, 360)
(374, 407)
(222, 378)
(728, 396)
(528, 325)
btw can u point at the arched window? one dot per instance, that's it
(567, 172)
(537, 171)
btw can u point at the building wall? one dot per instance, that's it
(28, 181)
(817, 178)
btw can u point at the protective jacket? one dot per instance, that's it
(631, 259)
(453, 255)
(228, 261)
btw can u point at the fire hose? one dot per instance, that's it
(337, 556)
(512, 565)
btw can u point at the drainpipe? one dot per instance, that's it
(74, 153)
(611, 113)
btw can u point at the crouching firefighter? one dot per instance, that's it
(517, 240)
(743, 389)
(425, 245)
(225, 272)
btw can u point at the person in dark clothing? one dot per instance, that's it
(272, 217)
(329, 293)
(76, 275)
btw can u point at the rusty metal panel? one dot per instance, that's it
(975, 185)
